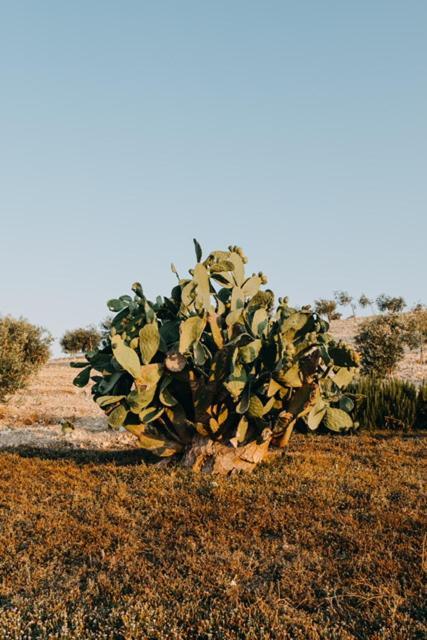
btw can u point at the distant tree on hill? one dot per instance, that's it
(327, 308)
(390, 304)
(364, 302)
(344, 299)
(80, 340)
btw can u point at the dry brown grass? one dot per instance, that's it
(326, 542)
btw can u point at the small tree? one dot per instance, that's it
(381, 343)
(24, 348)
(80, 340)
(327, 308)
(390, 304)
(365, 302)
(344, 299)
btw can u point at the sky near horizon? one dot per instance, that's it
(297, 130)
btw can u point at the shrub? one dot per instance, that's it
(390, 404)
(327, 308)
(80, 340)
(415, 323)
(24, 348)
(381, 343)
(211, 370)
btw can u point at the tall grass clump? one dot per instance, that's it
(24, 348)
(389, 404)
(421, 412)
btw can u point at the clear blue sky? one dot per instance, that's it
(297, 130)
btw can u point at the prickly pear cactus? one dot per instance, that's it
(216, 363)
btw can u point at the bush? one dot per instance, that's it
(381, 344)
(212, 365)
(24, 348)
(80, 340)
(415, 323)
(390, 404)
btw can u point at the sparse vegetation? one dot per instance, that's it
(24, 348)
(80, 340)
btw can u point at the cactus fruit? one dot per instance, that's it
(215, 360)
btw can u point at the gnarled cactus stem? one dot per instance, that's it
(209, 456)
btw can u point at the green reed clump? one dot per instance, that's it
(389, 404)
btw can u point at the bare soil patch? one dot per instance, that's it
(34, 416)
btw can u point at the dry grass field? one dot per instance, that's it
(325, 542)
